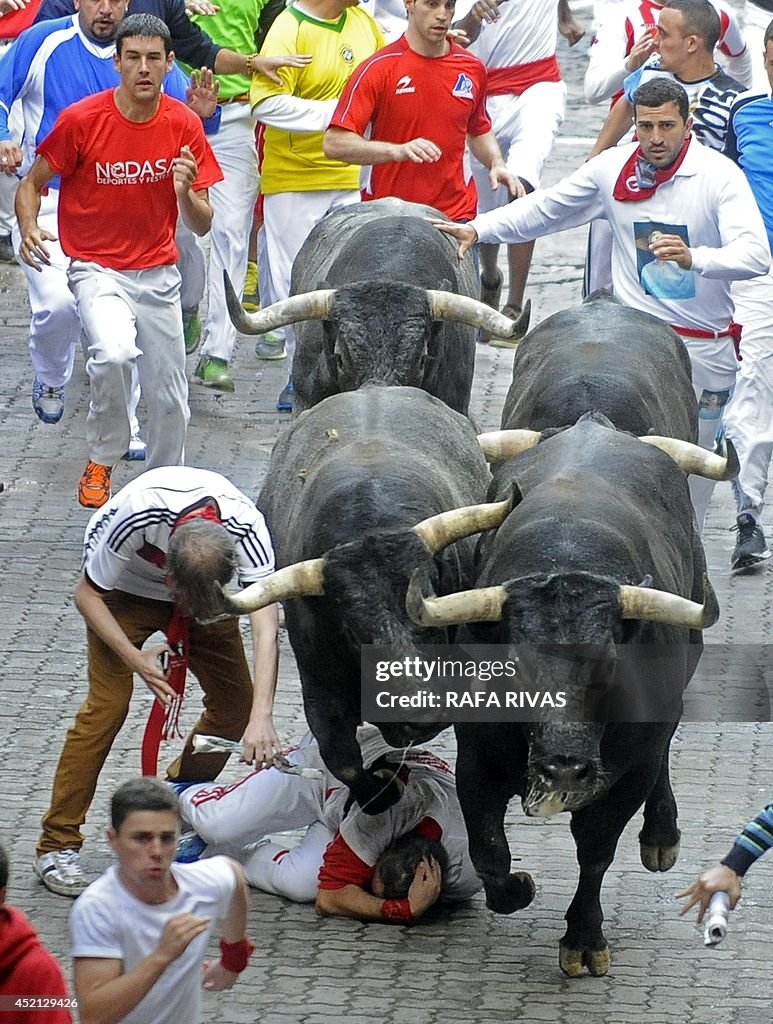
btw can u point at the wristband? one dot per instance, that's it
(235, 955)
(397, 911)
(250, 59)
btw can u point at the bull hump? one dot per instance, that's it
(564, 482)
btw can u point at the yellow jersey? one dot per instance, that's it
(294, 161)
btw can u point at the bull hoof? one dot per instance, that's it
(387, 792)
(659, 858)
(574, 961)
(514, 893)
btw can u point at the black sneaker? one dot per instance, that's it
(7, 254)
(751, 546)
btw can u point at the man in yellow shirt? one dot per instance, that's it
(300, 185)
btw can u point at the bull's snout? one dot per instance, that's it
(564, 773)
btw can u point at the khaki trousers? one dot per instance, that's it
(217, 660)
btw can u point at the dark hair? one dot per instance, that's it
(659, 91)
(768, 35)
(397, 864)
(700, 19)
(3, 867)
(143, 794)
(146, 26)
(201, 554)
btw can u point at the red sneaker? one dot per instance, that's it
(94, 486)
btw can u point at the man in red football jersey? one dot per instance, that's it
(424, 98)
(130, 159)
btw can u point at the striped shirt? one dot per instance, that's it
(127, 540)
(756, 839)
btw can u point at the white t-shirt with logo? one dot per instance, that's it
(127, 540)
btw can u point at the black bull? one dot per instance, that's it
(379, 296)
(602, 538)
(603, 357)
(348, 483)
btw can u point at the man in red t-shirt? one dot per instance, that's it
(423, 97)
(130, 160)
(27, 970)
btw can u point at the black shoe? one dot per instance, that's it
(6, 250)
(751, 546)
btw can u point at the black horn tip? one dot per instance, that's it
(733, 465)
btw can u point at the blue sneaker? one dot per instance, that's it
(47, 402)
(285, 401)
(190, 847)
(137, 450)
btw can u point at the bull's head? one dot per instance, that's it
(318, 305)
(307, 579)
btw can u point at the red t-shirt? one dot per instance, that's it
(13, 23)
(402, 96)
(117, 205)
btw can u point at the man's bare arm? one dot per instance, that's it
(618, 122)
(106, 995)
(351, 148)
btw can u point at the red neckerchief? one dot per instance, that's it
(164, 723)
(627, 188)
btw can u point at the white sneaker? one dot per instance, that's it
(60, 872)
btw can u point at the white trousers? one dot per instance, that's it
(755, 21)
(714, 367)
(9, 182)
(54, 326)
(133, 318)
(235, 819)
(288, 220)
(525, 127)
(233, 206)
(192, 266)
(749, 416)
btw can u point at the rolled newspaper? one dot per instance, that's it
(218, 745)
(715, 928)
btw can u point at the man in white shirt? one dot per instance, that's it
(666, 199)
(140, 932)
(153, 558)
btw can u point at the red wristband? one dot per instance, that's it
(234, 956)
(397, 911)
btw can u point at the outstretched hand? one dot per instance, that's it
(268, 66)
(465, 235)
(718, 879)
(201, 94)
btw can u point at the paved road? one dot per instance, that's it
(472, 966)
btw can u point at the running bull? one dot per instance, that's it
(380, 296)
(599, 551)
(605, 357)
(357, 495)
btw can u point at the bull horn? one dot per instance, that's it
(307, 306)
(464, 310)
(693, 459)
(499, 445)
(660, 606)
(484, 605)
(439, 531)
(304, 579)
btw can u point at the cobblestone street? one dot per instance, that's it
(465, 967)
